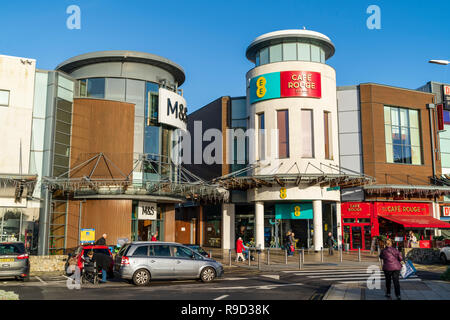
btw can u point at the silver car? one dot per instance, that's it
(14, 261)
(141, 261)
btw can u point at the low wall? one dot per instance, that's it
(420, 255)
(47, 263)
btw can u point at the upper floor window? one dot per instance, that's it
(402, 135)
(283, 133)
(328, 135)
(290, 51)
(4, 98)
(307, 127)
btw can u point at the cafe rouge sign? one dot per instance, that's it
(285, 84)
(385, 208)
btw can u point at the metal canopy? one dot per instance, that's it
(408, 190)
(342, 177)
(165, 180)
(17, 185)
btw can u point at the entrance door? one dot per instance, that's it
(356, 242)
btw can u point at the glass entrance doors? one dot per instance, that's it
(357, 236)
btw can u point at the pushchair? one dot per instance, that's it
(245, 252)
(90, 273)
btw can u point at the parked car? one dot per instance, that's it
(198, 249)
(14, 261)
(445, 254)
(141, 261)
(82, 251)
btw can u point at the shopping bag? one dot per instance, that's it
(292, 248)
(408, 269)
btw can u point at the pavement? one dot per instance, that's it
(419, 290)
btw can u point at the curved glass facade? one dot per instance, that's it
(290, 51)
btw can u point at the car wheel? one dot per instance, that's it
(208, 274)
(443, 258)
(141, 277)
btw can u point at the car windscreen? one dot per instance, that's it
(11, 249)
(104, 251)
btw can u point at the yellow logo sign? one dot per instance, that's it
(261, 87)
(297, 211)
(283, 193)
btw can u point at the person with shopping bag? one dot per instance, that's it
(392, 264)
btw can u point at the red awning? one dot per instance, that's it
(418, 221)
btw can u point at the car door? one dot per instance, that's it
(139, 257)
(160, 261)
(185, 263)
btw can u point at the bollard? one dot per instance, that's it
(259, 266)
(359, 254)
(268, 256)
(210, 254)
(303, 256)
(229, 254)
(249, 257)
(300, 259)
(321, 255)
(340, 253)
(285, 255)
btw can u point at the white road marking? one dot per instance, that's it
(274, 276)
(40, 280)
(346, 275)
(401, 280)
(324, 270)
(233, 279)
(222, 297)
(263, 287)
(355, 278)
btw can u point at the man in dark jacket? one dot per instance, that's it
(330, 242)
(391, 266)
(102, 240)
(103, 262)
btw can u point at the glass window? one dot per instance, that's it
(304, 52)
(275, 53)
(83, 91)
(307, 134)
(348, 220)
(364, 220)
(289, 51)
(257, 59)
(161, 251)
(135, 93)
(322, 55)
(402, 135)
(151, 102)
(141, 251)
(261, 137)
(264, 56)
(181, 252)
(315, 53)
(283, 133)
(96, 88)
(327, 133)
(4, 98)
(115, 89)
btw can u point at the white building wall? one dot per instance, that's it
(16, 75)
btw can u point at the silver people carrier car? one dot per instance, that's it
(141, 261)
(14, 262)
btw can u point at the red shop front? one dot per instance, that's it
(363, 220)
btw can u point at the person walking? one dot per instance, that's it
(102, 240)
(392, 264)
(412, 240)
(154, 236)
(239, 248)
(330, 243)
(287, 242)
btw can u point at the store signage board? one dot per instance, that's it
(440, 116)
(446, 90)
(285, 84)
(87, 236)
(446, 211)
(172, 109)
(406, 209)
(147, 210)
(356, 209)
(303, 210)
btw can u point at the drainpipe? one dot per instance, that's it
(79, 221)
(430, 107)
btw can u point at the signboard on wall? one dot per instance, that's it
(302, 210)
(446, 90)
(356, 209)
(172, 109)
(286, 84)
(446, 212)
(400, 208)
(440, 116)
(87, 236)
(147, 211)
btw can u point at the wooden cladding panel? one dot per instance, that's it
(102, 126)
(373, 99)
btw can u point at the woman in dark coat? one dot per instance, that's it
(391, 266)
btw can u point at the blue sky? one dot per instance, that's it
(208, 38)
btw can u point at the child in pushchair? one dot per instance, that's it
(90, 272)
(246, 251)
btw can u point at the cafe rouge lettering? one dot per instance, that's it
(402, 208)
